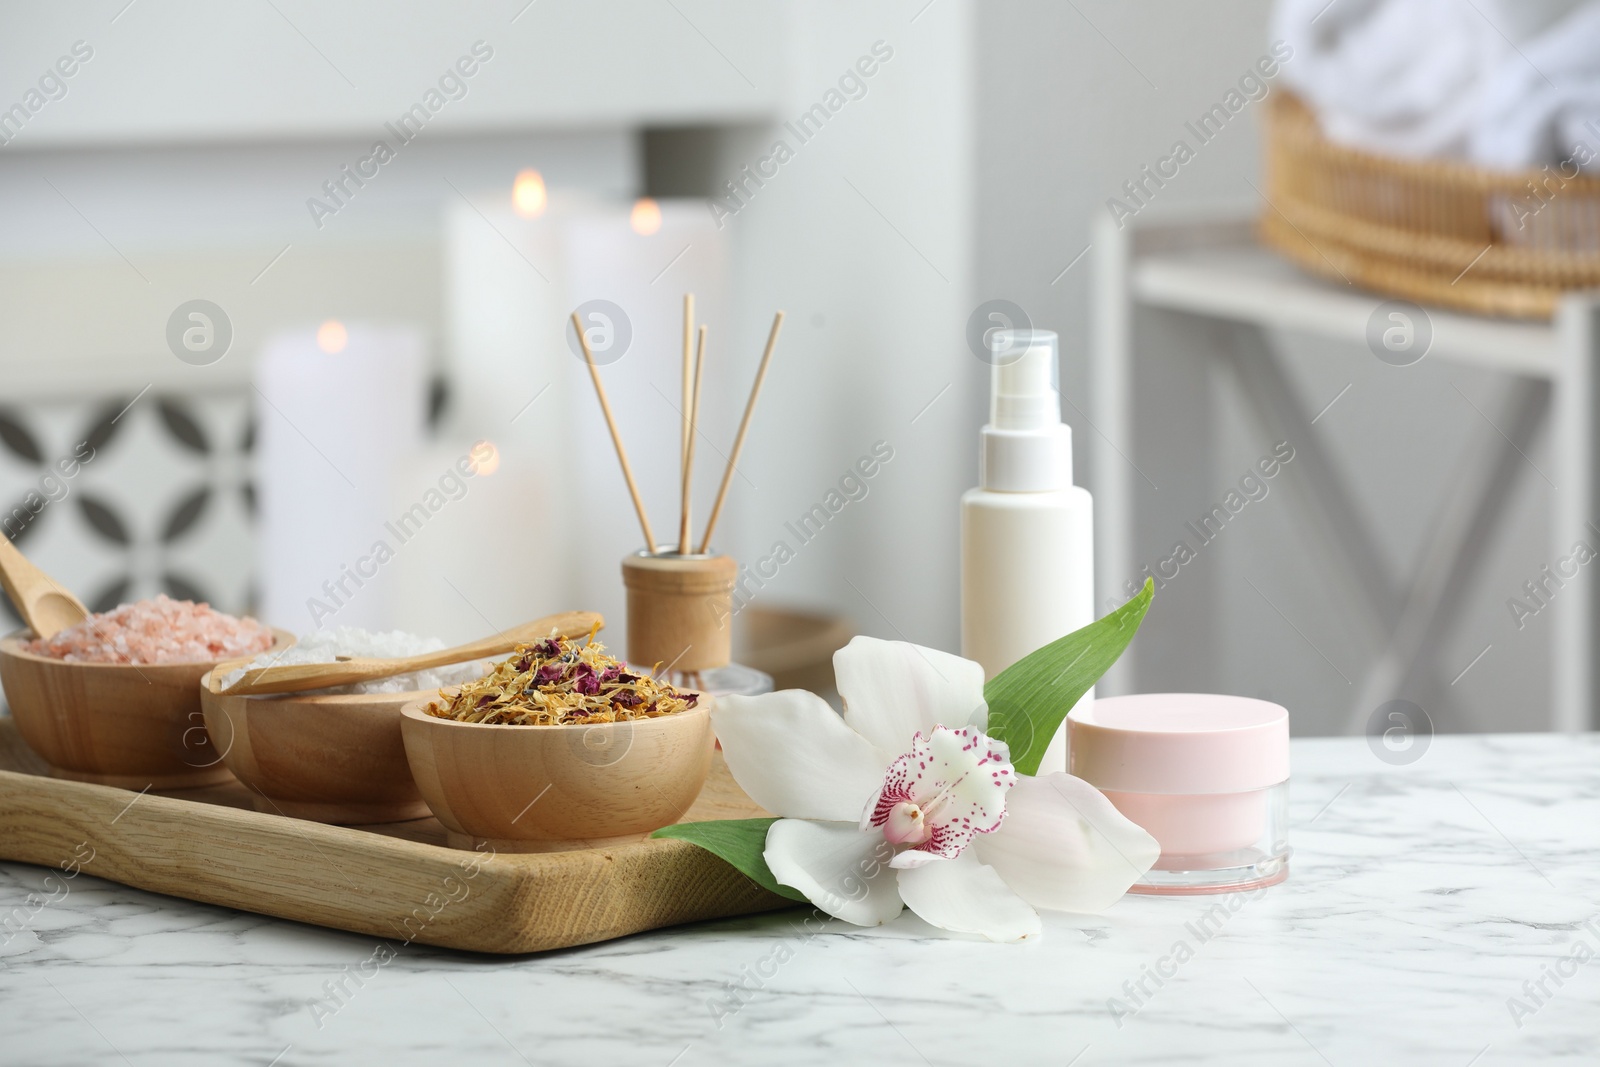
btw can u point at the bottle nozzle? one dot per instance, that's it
(1023, 389)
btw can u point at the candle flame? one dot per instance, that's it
(646, 217)
(528, 196)
(332, 337)
(485, 458)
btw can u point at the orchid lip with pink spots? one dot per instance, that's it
(887, 807)
(950, 787)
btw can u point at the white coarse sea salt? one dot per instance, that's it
(326, 646)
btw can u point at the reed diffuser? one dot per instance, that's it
(680, 596)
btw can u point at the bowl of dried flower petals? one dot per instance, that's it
(560, 746)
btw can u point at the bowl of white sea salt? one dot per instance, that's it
(330, 755)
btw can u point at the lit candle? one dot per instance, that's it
(338, 410)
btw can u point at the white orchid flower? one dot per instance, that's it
(904, 801)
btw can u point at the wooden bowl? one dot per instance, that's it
(136, 726)
(326, 758)
(555, 788)
(795, 647)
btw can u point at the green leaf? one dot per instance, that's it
(1029, 699)
(738, 841)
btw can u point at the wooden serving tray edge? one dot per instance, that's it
(367, 882)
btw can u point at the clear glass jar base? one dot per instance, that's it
(1173, 877)
(735, 679)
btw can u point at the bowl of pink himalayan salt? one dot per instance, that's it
(115, 700)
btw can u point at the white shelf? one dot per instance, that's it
(1207, 266)
(1250, 284)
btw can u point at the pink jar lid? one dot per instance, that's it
(1179, 743)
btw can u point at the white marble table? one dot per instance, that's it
(1422, 899)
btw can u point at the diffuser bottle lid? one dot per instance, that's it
(1179, 743)
(1026, 447)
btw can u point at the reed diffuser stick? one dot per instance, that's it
(688, 370)
(744, 428)
(616, 438)
(688, 456)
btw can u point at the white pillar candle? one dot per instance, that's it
(475, 558)
(337, 407)
(506, 552)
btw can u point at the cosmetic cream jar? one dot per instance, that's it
(1206, 775)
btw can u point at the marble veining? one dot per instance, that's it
(1435, 913)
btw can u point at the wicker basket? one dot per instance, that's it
(1427, 230)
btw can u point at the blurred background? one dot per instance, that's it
(283, 344)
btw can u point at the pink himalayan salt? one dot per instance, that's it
(162, 630)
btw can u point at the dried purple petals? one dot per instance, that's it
(556, 682)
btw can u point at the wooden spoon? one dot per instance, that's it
(299, 677)
(44, 604)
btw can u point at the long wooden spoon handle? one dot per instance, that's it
(567, 624)
(300, 677)
(14, 575)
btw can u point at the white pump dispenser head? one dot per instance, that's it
(1026, 448)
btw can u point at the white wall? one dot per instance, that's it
(864, 238)
(188, 70)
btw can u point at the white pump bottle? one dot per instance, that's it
(1027, 532)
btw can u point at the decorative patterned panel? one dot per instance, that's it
(121, 498)
(166, 504)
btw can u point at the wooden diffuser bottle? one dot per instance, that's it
(680, 599)
(680, 610)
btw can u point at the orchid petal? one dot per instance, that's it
(967, 896)
(908, 858)
(893, 689)
(795, 757)
(1064, 847)
(839, 869)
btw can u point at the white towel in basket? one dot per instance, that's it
(1543, 106)
(1505, 83)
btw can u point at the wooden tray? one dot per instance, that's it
(394, 881)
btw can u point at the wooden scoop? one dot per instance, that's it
(299, 677)
(44, 604)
